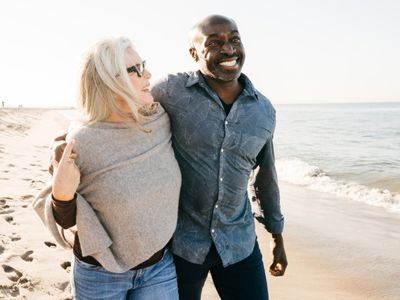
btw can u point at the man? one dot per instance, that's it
(222, 132)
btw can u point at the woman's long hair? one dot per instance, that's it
(104, 78)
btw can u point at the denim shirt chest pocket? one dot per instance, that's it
(253, 134)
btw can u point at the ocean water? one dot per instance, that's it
(350, 150)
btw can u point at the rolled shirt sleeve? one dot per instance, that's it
(65, 212)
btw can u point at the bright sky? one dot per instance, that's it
(297, 51)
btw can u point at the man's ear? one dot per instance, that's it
(193, 53)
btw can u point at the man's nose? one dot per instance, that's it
(228, 48)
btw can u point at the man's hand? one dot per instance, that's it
(279, 260)
(58, 148)
(66, 175)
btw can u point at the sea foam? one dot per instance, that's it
(299, 172)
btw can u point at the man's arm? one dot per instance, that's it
(57, 150)
(63, 205)
(64, 212)
(265, 191)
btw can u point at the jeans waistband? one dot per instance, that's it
(155, 258)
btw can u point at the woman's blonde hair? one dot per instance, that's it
(104, 76)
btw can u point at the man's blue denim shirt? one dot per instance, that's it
(217, 154)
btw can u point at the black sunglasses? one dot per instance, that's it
(138, 69)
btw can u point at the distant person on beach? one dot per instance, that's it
(222, 135)
(118, 181)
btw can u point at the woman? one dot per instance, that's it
(119, 182)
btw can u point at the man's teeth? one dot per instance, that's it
(229, 63)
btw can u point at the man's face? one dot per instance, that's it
(219, 51)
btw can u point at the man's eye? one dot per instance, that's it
(213, 44)
(236, 40)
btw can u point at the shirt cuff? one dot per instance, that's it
(275, 227)
(62, 203)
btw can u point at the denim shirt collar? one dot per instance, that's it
(248, 90)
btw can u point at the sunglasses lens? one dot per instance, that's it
(141, 67)
(138, 69)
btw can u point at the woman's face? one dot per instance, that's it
(139, 76)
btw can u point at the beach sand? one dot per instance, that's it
(337, 248)
(31, 265)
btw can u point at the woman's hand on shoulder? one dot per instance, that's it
(66, 175)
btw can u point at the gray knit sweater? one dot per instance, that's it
(128, 197)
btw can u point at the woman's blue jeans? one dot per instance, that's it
(155, 282)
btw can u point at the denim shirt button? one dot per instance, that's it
(221, 179)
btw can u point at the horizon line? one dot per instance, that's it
(274, 103)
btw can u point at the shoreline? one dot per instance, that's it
(336, 248)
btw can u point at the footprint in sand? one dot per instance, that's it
(65, 265)
(36, 183)
(27, 256)
(26, 197)
(14, 237)
(62, 285)
(9, 290)
(10, 219)
(15, 275)
(4, 210)
(3, 204)
(11, 165)
(50, 244)
(18, 279)
(2, 249)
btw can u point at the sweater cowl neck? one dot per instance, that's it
(124, 125)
